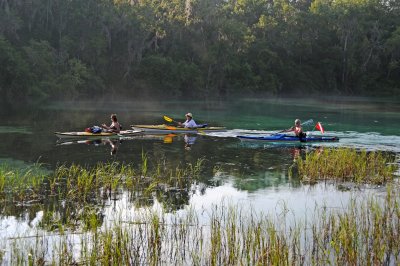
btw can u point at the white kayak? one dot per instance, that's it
(87, 135)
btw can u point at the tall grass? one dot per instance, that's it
(73, 195)
(84, 184)
(364, 233)
(21, 183)
(345, 164)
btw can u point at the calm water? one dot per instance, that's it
(245, 172)
(28, 135)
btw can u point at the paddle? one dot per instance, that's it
(169, 119)
(307, 122)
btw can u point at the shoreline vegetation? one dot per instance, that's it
(364, 232)
(197, 49)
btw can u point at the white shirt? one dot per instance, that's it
(189, 124)
(190, 140)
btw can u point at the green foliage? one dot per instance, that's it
(198, 48)
(164, 74)
(14, 73)
(41, 58)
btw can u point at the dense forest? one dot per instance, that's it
(65, 49)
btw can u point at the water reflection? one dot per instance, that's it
(114, 143)
(189, 139)
(246, 171)
(172, 192)
(169, 138)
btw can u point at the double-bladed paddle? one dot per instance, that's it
(169, 120)
(307, 122)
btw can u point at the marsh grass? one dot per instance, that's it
(366, 232)
(21, 183)
(346, 164)
(72, 196)
(83, 184)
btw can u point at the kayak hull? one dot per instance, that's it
(287, 138)
(164, 129)
(87, 135)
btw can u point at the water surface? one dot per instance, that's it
(250, 173)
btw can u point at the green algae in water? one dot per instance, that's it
(10, 129)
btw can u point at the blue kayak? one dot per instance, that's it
(288, 138)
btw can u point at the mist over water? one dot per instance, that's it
(28, 135)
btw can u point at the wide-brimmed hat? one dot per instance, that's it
(189, 114)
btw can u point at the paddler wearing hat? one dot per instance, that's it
(189, 123)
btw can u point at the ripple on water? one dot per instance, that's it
(371, 141)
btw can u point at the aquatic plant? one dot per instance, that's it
(346, 164)
(23, 182)
(80, 183)
(81, 190)
(364, 233)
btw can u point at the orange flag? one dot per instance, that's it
(319, 127)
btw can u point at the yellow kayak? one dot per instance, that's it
(165, 129)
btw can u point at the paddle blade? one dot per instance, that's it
(168, 119)
(319, 127)
(308, 122)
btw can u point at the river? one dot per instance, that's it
(254, 174)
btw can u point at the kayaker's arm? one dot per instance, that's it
(287, 130)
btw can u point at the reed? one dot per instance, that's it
(346, 164)
(86, 184)
(24, 183)
(82, 190)
(364, 233)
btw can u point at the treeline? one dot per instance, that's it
(52, 49)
